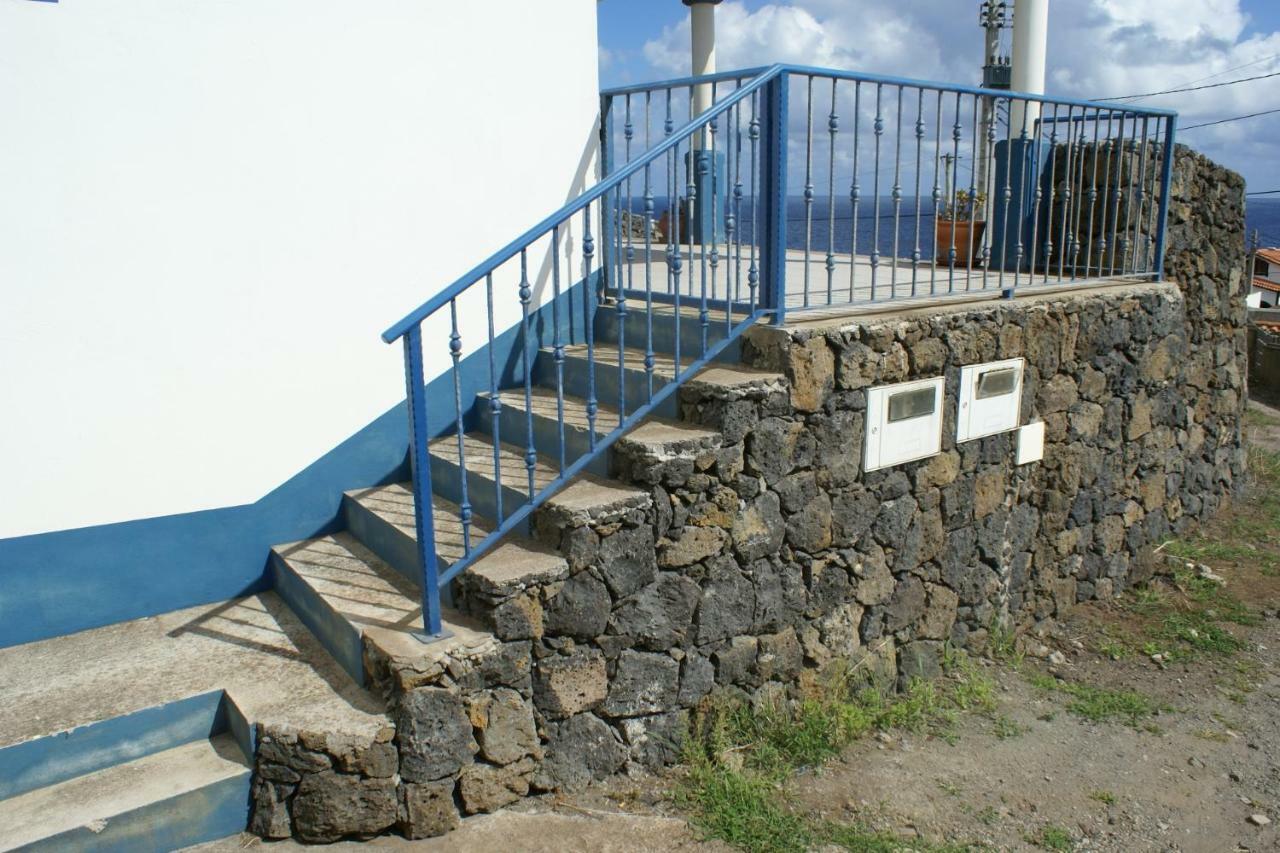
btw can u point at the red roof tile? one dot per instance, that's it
(1265, 284)
(1271, 256)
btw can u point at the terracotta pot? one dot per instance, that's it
(966, 234)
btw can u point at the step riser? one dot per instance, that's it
(207, 814)
(49, 760)
(635, 382)
(481, 494)
(397, 548)
(335, 633)
(664, 333)
(514, 429)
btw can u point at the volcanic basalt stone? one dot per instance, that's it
(330, 806)
(433, 734)
(643, 684)
(580, 749)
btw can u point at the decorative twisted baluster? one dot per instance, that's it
(455, 354)
(877, 131)
(1117, 192)
(1052, 201)
(620, 309)
(956, 135)
(855, 191)
(973, 197)
(753, 271)
(1019, 249)
(1093, 193)
(1006, 196)
(495, 402)
(589, 297)
(648, 261)
(713, 255)
(1105, 150)
(915, 251)
(936, 195)
(526, 295)
(673, 243)
(808, 186)
(1141, 194)
(557, 341)
(896, 195)
(1067, 195)
(731, 226)
(833, 128)
(989, 188)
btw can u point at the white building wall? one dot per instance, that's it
(210, 210)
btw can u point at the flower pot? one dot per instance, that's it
(966, 234)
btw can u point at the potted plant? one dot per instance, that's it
(961, 224)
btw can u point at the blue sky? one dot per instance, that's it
(1153, 45)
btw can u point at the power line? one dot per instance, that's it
(1225, 120)
(1193, 88)
(1233, 68)
(1264, 192)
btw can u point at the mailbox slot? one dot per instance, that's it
(904, 423)
(990, 399)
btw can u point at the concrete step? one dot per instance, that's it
(542, 414)
(633, 378)
(362, 609)
(485, 482)
(663, 329)
(185, 795)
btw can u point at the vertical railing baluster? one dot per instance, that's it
(1024, 167)
(588, 323)
(753, 271)
(833, 128)
(937, 193)
(954, 181)
(973, 197)
(733, 221)
(915, 252)
(1053, 198)
(648, 281)
(808, 185)
(495, 402)
(673, 203)
(620, 308)
(557, 341)
(526, 295)
(729, 222)
(989, 188)
(855, 191)
(455, 354)
(1136, 241)
(1105, 150)
(1037, 194)
(1117, 193)
(878, 131)
(1093, 194)
(1006, 194)
(896, 195)
(1068, 195)
(673, 246)
(713, 257)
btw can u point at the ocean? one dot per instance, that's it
(1262, 214)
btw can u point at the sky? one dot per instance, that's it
(1097, 49)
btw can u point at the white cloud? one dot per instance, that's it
(1098, 48)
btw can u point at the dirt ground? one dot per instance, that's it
(1201, 772)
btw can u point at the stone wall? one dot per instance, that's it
(751, 548)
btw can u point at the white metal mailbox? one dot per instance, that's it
(990, 399)
(904, 423)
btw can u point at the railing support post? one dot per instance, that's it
(1166, 182)
(420, 464)
(773, 241)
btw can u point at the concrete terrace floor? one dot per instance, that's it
(853, 283)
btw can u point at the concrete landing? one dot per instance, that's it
(255, 648)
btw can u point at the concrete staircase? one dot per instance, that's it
(171, 730)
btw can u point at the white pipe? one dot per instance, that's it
(702, 20)
(1030, 48)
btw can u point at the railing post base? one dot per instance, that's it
(427, 639)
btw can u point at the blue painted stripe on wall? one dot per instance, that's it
(72, 580)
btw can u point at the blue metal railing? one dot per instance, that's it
(693, 224)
